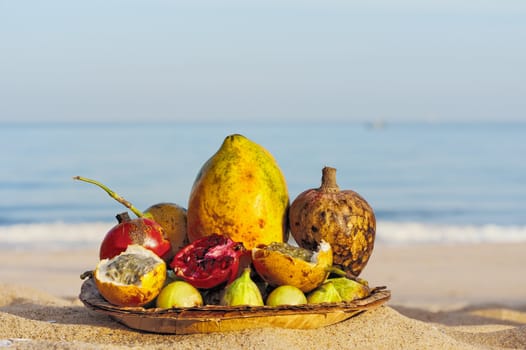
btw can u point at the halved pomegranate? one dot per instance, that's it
(209, 261)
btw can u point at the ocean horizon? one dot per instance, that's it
(427, 182)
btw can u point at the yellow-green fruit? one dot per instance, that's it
(286, 295)
(179, 294)
(326, 293)
(243, 291)
(349, 289)
(172, 218)
(340, 217)
(239, 192)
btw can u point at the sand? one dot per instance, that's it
(443, 297)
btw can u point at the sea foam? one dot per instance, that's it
(60, 235)
(52, 236)
(423, 233)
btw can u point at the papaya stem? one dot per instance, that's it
(112, 194)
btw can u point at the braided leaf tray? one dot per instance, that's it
(215, 318)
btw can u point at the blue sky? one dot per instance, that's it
(262, 60)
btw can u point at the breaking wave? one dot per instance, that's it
(60, 235)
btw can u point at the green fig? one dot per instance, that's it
(349, 289)
(242, 291)
(326, 293)
(286, 295)
(179, 294)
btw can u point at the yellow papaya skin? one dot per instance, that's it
(240, 192)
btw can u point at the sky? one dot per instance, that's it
(209, 60)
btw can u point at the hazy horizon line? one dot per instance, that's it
(371, 122)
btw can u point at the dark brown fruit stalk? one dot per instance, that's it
(340, 217)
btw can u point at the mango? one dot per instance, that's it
(240, 192)
(172, 218)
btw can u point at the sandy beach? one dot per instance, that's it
(443, 297)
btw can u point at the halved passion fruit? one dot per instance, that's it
(284, 264)
(133, 278)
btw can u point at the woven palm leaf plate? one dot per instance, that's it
(215, 318)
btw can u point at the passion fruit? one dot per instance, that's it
(133, 278)
(284, 264)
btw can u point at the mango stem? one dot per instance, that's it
(113, 195)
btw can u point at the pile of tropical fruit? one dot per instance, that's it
(231, 245)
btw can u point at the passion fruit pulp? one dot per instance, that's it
(133, 278)
(284, 264)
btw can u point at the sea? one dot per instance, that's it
(427, 182)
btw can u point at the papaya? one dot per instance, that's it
(240, 192)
